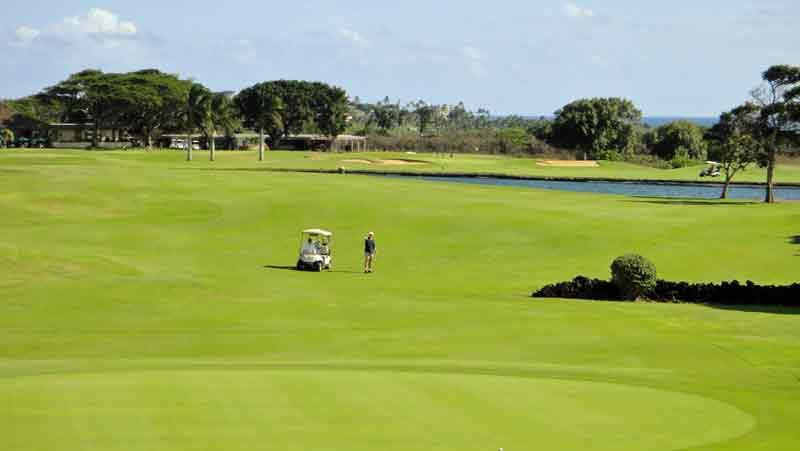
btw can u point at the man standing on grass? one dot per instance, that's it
(369, 252)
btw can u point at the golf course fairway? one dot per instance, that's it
(356, 410)
(149, 303)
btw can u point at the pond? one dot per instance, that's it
(644, 189)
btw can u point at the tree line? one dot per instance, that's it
(148, 102)
(755, 132)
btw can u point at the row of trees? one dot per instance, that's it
(286, 107)
(148, 102)
(611, 128)
(754, 132)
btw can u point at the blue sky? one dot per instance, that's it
(694, 58)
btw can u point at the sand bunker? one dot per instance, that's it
(568, 163)
(395, 162)
(403, 162)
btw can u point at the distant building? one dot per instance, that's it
(72, 135)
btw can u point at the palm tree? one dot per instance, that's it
(222, 116)
(198, 107)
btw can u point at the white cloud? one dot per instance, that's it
(475, 61)
(24, 35)
(575, 11)
(95, 22)
(97, 38)
(353, 37)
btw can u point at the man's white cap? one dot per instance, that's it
(370, 234)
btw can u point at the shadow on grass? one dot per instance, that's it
(687, 201)
(294, 268)
(284, 268)
(774, 309)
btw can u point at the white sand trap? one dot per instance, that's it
(568, 163)
(403, 162)
(390, 162)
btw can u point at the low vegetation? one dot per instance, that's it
(633, 277)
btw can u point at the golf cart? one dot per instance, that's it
(315, 250)
(712, 170)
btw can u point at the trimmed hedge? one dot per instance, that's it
(725, 293)
(634, 275)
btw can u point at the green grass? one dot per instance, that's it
(488, 164)
(143, 307)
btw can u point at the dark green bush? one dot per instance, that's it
(725, 293)
(634, 275)
(681, 158)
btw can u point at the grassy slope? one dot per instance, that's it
(121, 264)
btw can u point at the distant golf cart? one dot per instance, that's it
(712, 170)
(315, 250)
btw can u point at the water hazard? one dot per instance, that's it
(645, 189)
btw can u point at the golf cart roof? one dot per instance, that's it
(318, 232)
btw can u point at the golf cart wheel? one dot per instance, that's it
(300, 265)
(318, 266)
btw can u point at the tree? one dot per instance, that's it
(261, 107)
(330, 109)
(40, 108)
(459, 118)
(197, 113)
(387, 115)
(6, 137)
(736, 148)
(779, 100)
(224, 117)
(104, 98)
(297, 98)
(156, 102)
(597, 126)
(513, 138)
(668, 138)
(424, 114)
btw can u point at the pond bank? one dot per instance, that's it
(501, 176)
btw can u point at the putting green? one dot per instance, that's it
(294, 409)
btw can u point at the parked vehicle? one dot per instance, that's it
(315, 250)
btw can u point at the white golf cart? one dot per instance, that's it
(315, 250)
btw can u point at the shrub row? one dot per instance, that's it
(725, 293)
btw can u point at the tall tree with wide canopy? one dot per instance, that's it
(597, 126)
(156, 103)
(668, 138)
(261, 106)
(105, 98)
(779, 99)
(330, 106)
(296, 98)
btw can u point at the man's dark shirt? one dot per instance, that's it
(369, 246)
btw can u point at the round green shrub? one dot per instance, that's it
(634, 275)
